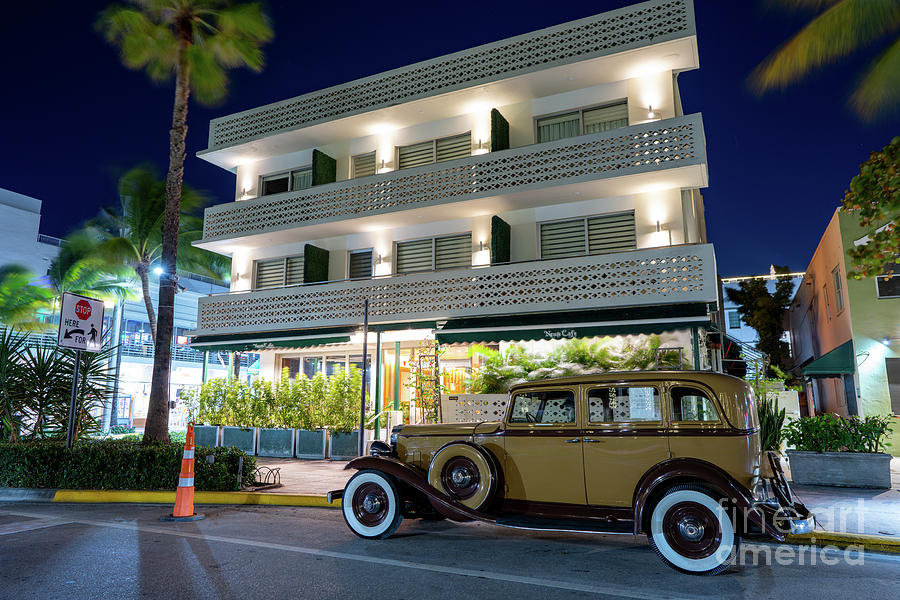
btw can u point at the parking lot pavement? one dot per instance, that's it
(123, 551)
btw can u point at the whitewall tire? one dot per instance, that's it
(371, 505)
(692, 532)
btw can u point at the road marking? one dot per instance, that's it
(31, 525)
(612, 590)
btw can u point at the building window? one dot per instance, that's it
(363, 164)
(578, 122)
(290, 181)
(838, 288)
(734, 319)
(278, 272)
(448, 252)
(359, 264)
(590, 235)
(887, 285)
(424, 153)
(827, 302)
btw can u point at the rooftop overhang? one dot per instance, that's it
(632, 42)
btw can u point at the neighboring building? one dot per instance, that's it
(541, 187)
(846, 333)
(735, 327)
(20, 240)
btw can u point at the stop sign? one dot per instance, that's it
(83, 309)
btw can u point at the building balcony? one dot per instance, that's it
(640, 278)
(666, 154)
(612, 46)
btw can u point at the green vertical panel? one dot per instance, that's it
(378, 384)
(499, 131)
(315, 264)
(396, 375)
(695, 342)
(500, 240)
(324, 168)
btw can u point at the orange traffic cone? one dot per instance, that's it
(184, 495)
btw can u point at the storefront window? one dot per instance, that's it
(312, 365)
(356, 361)
(335, 364)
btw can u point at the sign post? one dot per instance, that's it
(80, 329)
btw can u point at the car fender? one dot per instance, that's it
(418, 480)
(677, 470)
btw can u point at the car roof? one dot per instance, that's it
(715, 380)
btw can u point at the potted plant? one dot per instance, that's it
(771, 423)
(830, 450)
(342, 396)
(245, 407)
(276, 431)
(204, 406)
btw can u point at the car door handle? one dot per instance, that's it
(592, 440)
(573, 441)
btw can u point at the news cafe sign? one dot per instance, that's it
(80, 323)
(560, 334)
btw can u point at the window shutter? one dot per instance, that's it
(360, 265)
(612, 233)
(294, 270)
(416, 155)
(414, 256)
(557, 128)
(457, 146)
(563, 238)
(364, 164)
(453, 252)
(302, 179)
(269, 273)
(606, 118)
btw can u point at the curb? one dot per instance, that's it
(164, 497)
(875, 543)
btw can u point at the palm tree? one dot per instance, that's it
(844, 27)
(195, 41)
(21, 299)
(79, 269)
(130, 234)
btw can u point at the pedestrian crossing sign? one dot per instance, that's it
(80, 323)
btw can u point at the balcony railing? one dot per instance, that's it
(608, 33)
(668, 275)
(630, 150)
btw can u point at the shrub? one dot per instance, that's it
(771, 422)
(120, 429)
(117, 464)
(832, 433)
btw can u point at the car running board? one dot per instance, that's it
(576, 525)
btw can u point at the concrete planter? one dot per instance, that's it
(344, 446)
(242, 438)
(278, 443)
(206, 435)
(311, 443)
(841, 469)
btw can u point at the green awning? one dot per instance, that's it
(571, 324)
(253, 345)
(839, 361)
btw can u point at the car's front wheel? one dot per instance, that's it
(692, 532)
(371, 505)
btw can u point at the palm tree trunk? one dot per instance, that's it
(143, 271)
(157, 427)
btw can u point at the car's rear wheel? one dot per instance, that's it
(371, 505)
(692, 532)
(465, 472)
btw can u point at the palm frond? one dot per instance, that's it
(845, 27)
(879, 88)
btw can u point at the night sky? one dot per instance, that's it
(73, 118)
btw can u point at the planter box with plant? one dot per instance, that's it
(278, 443)
(833, 451)
(312, 444)
(206, 435)
(242, 438)
(343, 445)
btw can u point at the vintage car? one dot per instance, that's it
(672, 454)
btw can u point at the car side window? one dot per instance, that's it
(543, 407)
(624, 404)
(692, 405)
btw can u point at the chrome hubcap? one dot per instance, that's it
(461, 477)
(690, 529)
(371, 504)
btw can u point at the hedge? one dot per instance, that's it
(118, 465)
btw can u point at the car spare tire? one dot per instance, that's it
(466, 472)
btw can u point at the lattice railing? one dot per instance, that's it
(604, 34)
(629, 150)
(667, 275)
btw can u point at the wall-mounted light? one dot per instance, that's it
(658, 227)
(651, 114)
(379, 260)
(481, 245)
(481, 149)
(886, 341)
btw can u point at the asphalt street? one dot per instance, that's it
(124, 551)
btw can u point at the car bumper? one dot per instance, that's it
(802, 525)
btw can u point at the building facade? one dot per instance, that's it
(538, 188)
(845, 332)
(21, 242)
